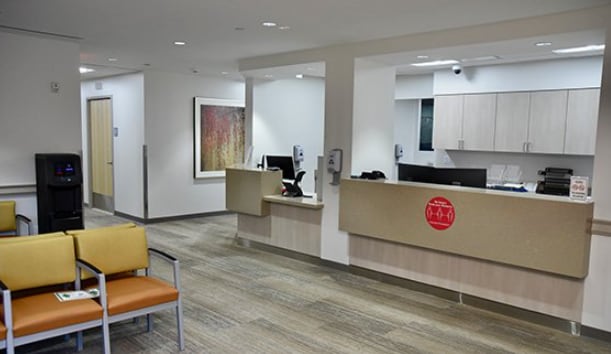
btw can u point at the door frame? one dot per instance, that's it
(89, 152)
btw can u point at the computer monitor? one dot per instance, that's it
(466, 177)
(284, 163)
(416, 173)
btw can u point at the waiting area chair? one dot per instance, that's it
(120, 252)
(30, 311)
(10, 220)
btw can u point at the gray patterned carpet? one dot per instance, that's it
(242, 300)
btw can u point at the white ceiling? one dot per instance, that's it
(140, 33)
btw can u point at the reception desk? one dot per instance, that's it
(266, 217)
(526, 250)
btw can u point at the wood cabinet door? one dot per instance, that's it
(511, 130)
(478, 122)
(547, 121)
(581, 121)
(447, 122)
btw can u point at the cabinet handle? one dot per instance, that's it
(461, 144)
(524, 147)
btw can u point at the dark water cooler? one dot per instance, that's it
(59, 192)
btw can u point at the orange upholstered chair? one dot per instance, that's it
(35, 264)
(124, 250)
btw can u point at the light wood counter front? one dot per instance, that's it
(245, 188)
(545, 233)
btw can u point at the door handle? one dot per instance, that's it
(109, 163)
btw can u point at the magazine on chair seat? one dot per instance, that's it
(77, 294)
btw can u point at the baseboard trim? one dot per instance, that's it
(564, 325)
(169, 218)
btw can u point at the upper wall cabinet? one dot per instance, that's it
(478, 122)
(447, 122)
(511, 132)
(547, 122)
(581, 121)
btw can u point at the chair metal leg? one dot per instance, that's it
(79, 341)
(179, 325)
(106, 337)
(149, 323)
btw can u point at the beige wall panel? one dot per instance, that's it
(296, 228)
(537, 291)
(545, 233)
(245, 188)
(256, 228)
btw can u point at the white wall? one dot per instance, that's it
(597, 290)
(287, 113)
(414, 87)
(127, 94)
(530, 76)
(172, 190)
(32, 118)
(373, 121)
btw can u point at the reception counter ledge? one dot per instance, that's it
(266, 217)
(540, 232)
(524, 250)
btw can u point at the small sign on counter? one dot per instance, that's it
(579, 188)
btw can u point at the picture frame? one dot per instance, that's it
(219, 135)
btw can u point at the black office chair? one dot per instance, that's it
(10, 220)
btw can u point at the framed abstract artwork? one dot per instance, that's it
(219, 133)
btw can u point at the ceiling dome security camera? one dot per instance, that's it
(457, 69)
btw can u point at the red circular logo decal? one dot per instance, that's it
(440, 213)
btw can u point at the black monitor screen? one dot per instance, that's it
(285, 163)
(416, 173)
(466, 177)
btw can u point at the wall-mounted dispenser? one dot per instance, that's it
(334, 165)
(298, 156)
(398, 151)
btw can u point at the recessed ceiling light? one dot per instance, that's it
(436, 63)
(224, 73)
(268, 76)
(179, 43)
(284, 28)
(299, 76)
(112, 59)
(543, 44)
(85, 70)
(585, 48)
(484, 58)
(269, 24)
(422, 57)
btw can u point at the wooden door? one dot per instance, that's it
(447, 122)
(581, 121)
(511, 129)
(547, 123)
(101, 153)
(478, 122)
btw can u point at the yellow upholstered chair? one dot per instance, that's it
(10, 220)
(30, 311)
(125, 250)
